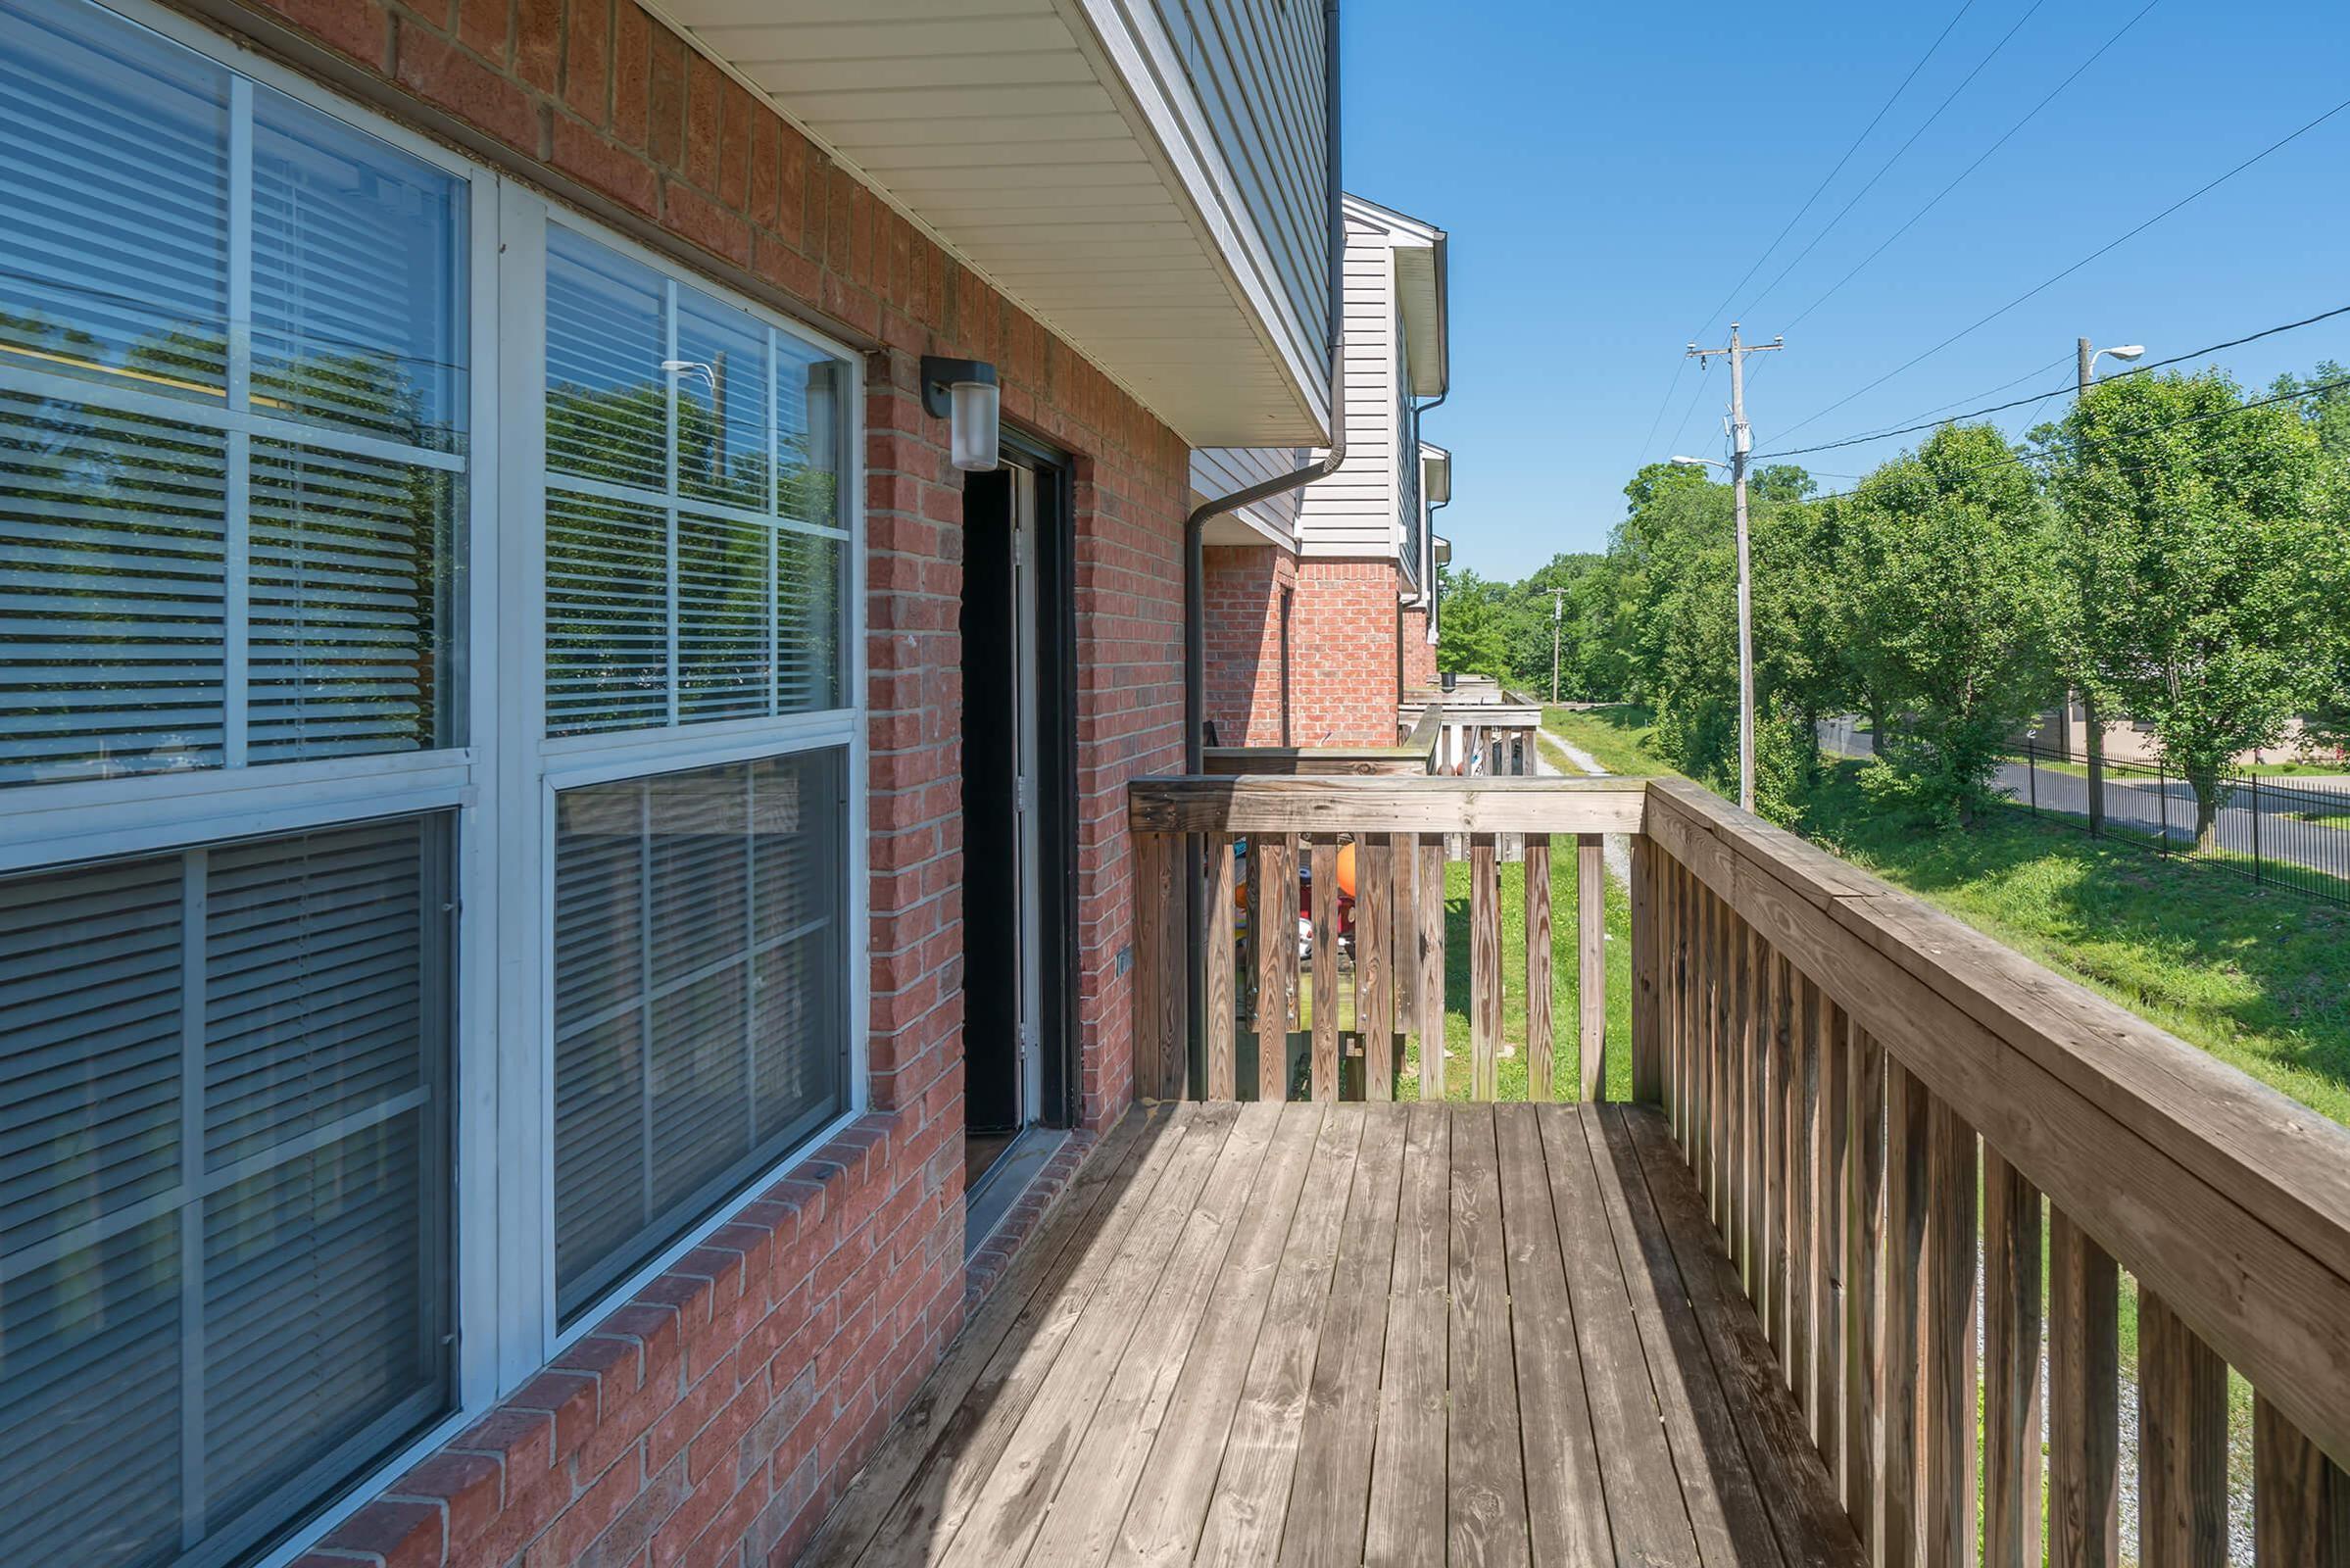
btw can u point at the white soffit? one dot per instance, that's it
(1056, 147)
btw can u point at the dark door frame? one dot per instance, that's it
(1061, 1094)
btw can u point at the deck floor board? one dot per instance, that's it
(1350, 1335)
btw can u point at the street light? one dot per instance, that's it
(1745, 623)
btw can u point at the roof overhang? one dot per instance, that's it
(1443, 549)
(1436, 473)
(1059, 149)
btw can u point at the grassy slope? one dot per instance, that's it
(2256, 977)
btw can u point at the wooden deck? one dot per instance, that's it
(1387, 1333)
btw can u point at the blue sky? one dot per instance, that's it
(1608, 172)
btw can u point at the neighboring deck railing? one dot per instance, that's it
(1892, 1118)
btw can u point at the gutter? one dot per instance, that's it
(1195, 571)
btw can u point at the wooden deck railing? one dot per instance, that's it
(1932, 1161)
(1260, 833)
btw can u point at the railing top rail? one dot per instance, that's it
(2222, 1195)
(1376, 803)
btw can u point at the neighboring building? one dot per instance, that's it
(1321, 604)
(547, 839)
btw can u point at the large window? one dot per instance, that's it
(234, 458)
(695, 574)
(430, 761)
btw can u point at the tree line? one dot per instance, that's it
(2174, 550)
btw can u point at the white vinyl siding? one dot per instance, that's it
(1256, 70)
(1352, 513)
(1222, 471)
(298, 579)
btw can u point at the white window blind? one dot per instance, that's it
(231, 416)
(700, 978)
(222, 1185)
(694, 565)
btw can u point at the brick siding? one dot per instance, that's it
(717, 1417)
(1342, 671)
(1419, 654)
(1242, 586)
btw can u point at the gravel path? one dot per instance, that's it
(1551, 754)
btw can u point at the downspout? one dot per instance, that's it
(1195, 570)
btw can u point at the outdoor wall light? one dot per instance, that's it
(963, 393)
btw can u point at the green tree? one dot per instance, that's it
(1472, 638)
(1951, 599)
(2208, 538)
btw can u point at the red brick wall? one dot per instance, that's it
(1419, 654)
(1343, 681)
(1243, 585)
(717, 1417)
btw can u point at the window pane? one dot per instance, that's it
(698, 977)
(721, 618)
(114, 174)
(285, 1282)
(694, 604)
(349, 558)
(808, 611)
(175, 592)
(358, 280)
(809, 388)
(608, 412)
(721, 402)
(608, 615)
(112, 594)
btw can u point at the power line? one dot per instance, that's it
(1898, 153)
(2049, 455)
(1662, 404)
(1830, 177)
(2050, 283)
(2028, 116)
(1998, 407)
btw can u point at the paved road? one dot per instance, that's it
(2149, 804)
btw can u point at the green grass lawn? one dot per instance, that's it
(1620, 737)
(2340, 820)
(2258, 977)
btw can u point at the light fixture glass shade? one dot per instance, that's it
(974, 425)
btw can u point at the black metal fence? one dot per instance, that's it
(2292, 832)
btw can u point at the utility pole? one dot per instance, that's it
(1741, 442)
(1556, 595)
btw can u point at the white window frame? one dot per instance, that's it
(501, 783)
(537, 774)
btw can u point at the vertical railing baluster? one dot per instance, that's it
(1374, 965)
(1325, 855)
(1864, 1305)
(1220, 997)
(1274, 873)
(2183, 1443)
(1427, 993)
(2300, 1499)
(1906, 1199)
(1485, 967)
(2085, 1490)
(1949, 1347)
(2011, 1351)
(1540, 1067)
(1591, 965)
